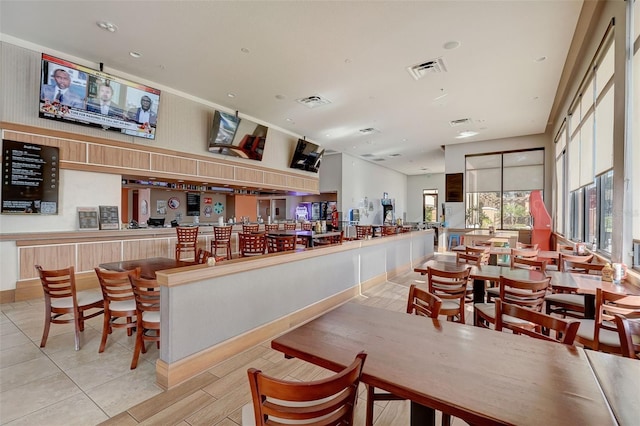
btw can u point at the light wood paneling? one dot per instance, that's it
(215, 170)
(295, 182)
(312, 185)
(49, 257)
(166, 163)
(275, 179)
(91, 255)
(69, 150)
(142, 249)
(249, 175)
(118, 157)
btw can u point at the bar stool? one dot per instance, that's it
(187, 241)
(222, 239)
(452, 238)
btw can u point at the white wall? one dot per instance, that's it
(415, 189)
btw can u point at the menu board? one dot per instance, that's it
(88, 218)
(30, 178)
(109, 218)
(193, 204)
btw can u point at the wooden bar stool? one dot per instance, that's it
(187, 241)
(222, 239)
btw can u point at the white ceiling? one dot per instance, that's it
(353, 53)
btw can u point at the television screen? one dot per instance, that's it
(307, 156)
(76, 94)
(237, 137)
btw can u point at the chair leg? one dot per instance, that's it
(136, 350)
(369, 418)
(106, 329)
(446, 419)
(47, 326)
(77, 324)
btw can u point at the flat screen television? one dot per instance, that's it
(76, 94)
(237, 137)
(307, 156)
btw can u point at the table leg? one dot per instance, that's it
(590, 306)
(478, 291)
(422, 416)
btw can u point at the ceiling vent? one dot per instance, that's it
(460, 122)
(368, 131)
(378, 159)
(395, 155)
(433, 66)
(314, 101)
(367, 155)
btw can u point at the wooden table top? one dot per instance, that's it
(504, 251)
(620, 381)
(148, 267)
(587, 284)
(485, 272)
(479, 375)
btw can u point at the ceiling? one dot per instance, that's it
(502, 76)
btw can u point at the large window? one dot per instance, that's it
(430, 205)
(498, 187)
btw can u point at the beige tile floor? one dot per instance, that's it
(57, 385)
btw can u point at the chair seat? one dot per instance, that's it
(85, 297)
(123, 305)
(489, 310)
(566, 298)
(151, 316)
(450, 305)
(606, 337)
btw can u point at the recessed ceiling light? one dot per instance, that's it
(289, 120)
(135, 54)
(450, 45)
(466, 134)
(404, 139)
(231, 95)
(107, 26)
(541, 59)
(245, 50)
(280, 97)
(347, 61)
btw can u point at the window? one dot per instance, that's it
(430, 205)
(498, 188)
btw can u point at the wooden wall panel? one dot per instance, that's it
(49, 257)
(312, 185)
(118, 157)
(91, 255)
(140, 249)
(173, 164)
(249, 175)
(295, 182)
(69, 150)
(215, 170)
(275, 179)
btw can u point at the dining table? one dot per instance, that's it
(148, 267)
(310, 236)
(551, 256)
(478, 375)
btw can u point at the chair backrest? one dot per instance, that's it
(627, 329)
(328, 401)
(389, 230)
(526, 246)
(278, 243)
(609, 304)
(58, 283)
(531, 254)
(115, 285)
(254, 227)
(147, 295)
(290, 226)
(272, 227)
(222, 233)
(472, 259)
(187, 234)
(525, 293)
(525, 263)
(476, 250)
(307, 226)
(252, 244)
(565, 247)
(363, 231)
(203, 256)
(583, 267)
(565, 329)
(423, 303)
(448, 285)
(563, 258)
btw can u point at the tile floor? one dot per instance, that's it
(56, 385)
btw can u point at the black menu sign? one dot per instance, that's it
(30, 178)
(193, 204)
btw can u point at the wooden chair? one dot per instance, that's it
(147, 296)
(280, 243)
(451, 287)
(518, 262)
(476, 256)
(525, 293)
(187, 241)
(565, 330)
(119, 302)
(520, 245)
(329, 401)
(388, 230)
(307, 226)
(254, 227)
(221, 240)
(566, 303)
(363, 232)
(202, 256)
(565, 247)
(272, 227)
(601, 333)
(290, 226)
(61, 298)
(422, 303)
(252, 244)
(629, 332)
(333, 239)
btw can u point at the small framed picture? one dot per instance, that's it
(88, 218)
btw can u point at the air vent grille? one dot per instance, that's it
(460, 122)
(395, 155)
(314, 101)
(378, 159)
(433, 66)
(368, 131)
(367, 155)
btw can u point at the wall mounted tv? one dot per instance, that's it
(75, 94)
(236, 137)
(307, 156)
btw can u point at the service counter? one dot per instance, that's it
(211, 313)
